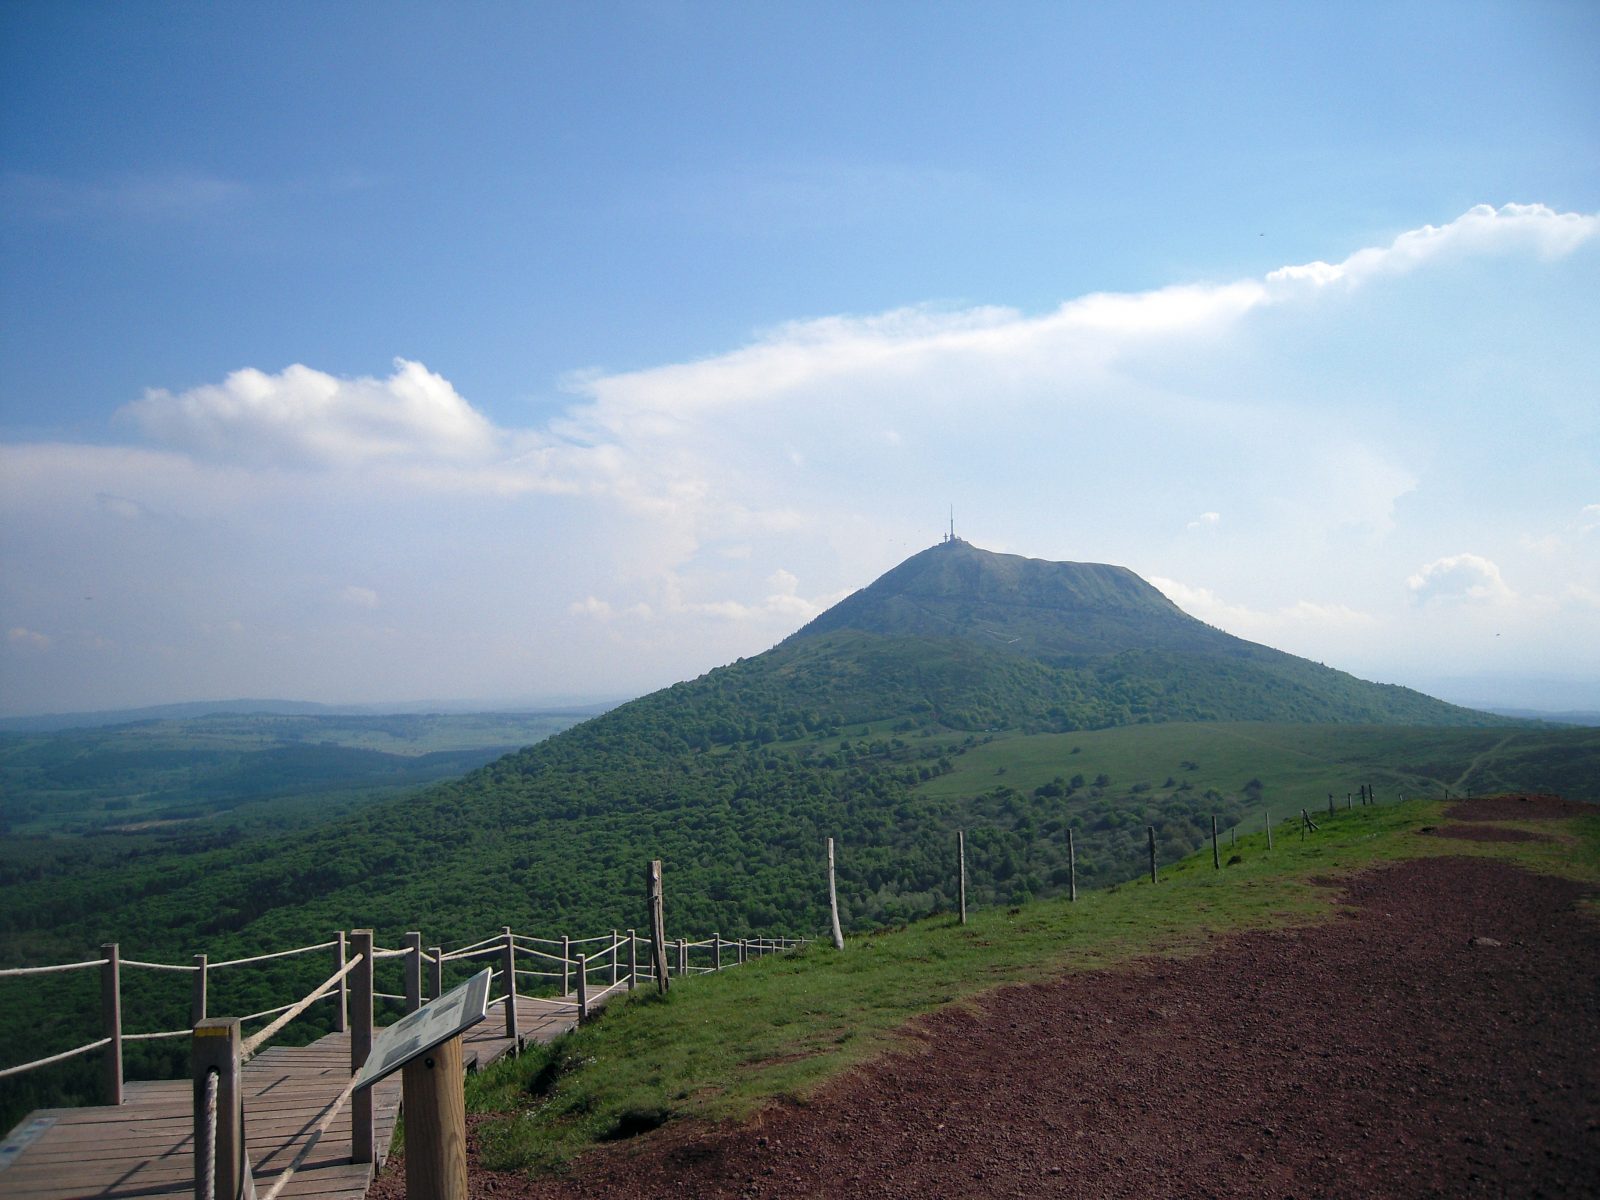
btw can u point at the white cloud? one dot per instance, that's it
(1459, 577)
(1589, 518)
(1206, 520)
(1258, 624)
(305, 417)
(358, 597)
(28, 639)
(1481, 229)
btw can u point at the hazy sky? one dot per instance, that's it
(382, 352)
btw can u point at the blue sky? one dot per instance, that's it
(395, 352)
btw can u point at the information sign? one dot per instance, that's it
(429, 1027)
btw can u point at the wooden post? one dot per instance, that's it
(214, 1047)
(361, 1137)
(436, 1124)
(833, 901)
(1330, 803)
(1266, 819)
(1216, 853)
(716, 950)
(197, 992)
(658, 924)
(961, 858)
(1233, 835)
(566, 966)
(413, 971)
(744, 951)
(616, 953)
(508, 967)
(435, 972)
(583, 989)
(633, 960)
(683, 956)
(341, 1001)
(1150, 831)
(1072, 866)
(1347, 800)
(111, 1018)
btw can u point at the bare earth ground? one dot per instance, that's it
(1441, 1038)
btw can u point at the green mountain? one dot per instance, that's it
(1005, 697)
(999, 639)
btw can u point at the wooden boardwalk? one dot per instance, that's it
(144, 1148)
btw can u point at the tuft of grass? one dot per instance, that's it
(717, 1047)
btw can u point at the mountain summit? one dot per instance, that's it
(1048, 609)
(1009, 640)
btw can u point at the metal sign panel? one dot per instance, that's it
(431, 1025)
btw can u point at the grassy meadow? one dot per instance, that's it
(719, 1047)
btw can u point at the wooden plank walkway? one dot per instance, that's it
(144, 1148)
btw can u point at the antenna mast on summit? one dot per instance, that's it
(951, 536)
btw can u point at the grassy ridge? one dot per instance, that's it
(719, 1047)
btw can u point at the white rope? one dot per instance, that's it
(150, 1037)
(401, 953)
(207, 1153)
(239, 962)
(54, 1058)
(497, 939)
(77, 966)
(335, 1106)
(149, 966)
(248, 1049)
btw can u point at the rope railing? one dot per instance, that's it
(150, 966)
(50, 970)
(153, 1037)
(255, 958)
(55, 1058)
(256, 1040)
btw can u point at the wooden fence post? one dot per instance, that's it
(435, 972)
(1072, 865)
(683, 956)
(508, 967)
(1330, 803)
(214, 1047)
(436, 1124)
(583, 989)
(566, 966)
(197, 992)
(111, 1018)
(413, 971)
(833, 901)
(1266, 819)
(961, 858)
(716, 950)
(341, 1001)
(744, 951)
(361, 1134)
(658, 924)
(1216, 853)
(616, 953)
(633, 960)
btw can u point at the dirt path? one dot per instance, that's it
(1440, 1038)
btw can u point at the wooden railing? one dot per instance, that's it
(586, 971)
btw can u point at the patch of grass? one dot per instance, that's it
(718, 1046)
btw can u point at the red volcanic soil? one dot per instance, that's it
(1483, 833)
(1440, 1037)
(1518, 807)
